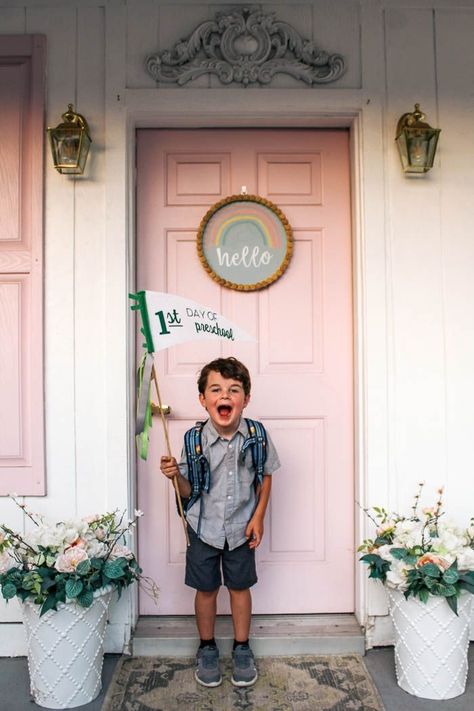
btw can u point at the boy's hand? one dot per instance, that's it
(254, 531)
(169, 467)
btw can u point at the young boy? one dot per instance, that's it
(225, 524)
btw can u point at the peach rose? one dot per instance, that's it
(68, 561)
(430, 558)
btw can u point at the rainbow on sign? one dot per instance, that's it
(245, 242)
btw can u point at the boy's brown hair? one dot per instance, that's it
(228, 368)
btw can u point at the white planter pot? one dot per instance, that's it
(65, 651)
(431, 644)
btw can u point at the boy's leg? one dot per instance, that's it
(244, 671)
(241, 607)
(239, 575)
(207, 659)
(205, 606)
(203, 574)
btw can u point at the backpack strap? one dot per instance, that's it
(198, 466)
(257, 440)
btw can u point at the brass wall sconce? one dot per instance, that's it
(70, 143)
(416, 142)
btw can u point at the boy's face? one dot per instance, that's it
(224, 400)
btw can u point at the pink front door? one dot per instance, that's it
(301, 362)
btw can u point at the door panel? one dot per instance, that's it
(301, 361)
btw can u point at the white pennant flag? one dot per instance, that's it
(173, 319)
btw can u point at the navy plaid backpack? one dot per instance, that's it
(198, 466)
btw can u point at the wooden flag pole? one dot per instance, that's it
(168, 446)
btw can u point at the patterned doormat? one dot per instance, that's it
(302, 683)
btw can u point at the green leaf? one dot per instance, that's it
(423, 594)
(447, 590)
(83, 567)
(113, 569)
(368, 557)
(450, 576)
(73, 588)
(85, 598)
(453, 603)
(8, 590)
(49, 604)
(399, 553)
(97, 563)
(47, 584)
(430, 569)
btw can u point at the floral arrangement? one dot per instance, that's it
(421, 554)
(68, 560)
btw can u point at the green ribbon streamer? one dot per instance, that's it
(144, 422)
(144, 419)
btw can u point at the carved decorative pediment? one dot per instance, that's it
(247, 47)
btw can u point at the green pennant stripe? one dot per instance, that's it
(140, 298)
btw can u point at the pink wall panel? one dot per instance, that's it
(10, 368)
(22, 66)
(14, 79)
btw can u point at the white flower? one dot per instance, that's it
(408, 534)
(385, 527)
(466, 559)
(6, 562)
(451, 539)
(396, 576)
(384, 552)
(138, 513)
(100, 533)
(95, 549)
(44, 535)
(119, 551)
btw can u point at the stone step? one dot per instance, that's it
(270, 635)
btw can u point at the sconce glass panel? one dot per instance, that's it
(70, 142)
(417, 142)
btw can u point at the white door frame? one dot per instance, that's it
(191, 108)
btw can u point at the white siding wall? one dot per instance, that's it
(414, 252)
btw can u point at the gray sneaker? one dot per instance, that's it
(207, 667)
(244, 670)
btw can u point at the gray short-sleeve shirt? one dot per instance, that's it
(224, 512)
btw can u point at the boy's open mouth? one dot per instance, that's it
(224, 410)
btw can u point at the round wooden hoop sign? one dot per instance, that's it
(244, 242)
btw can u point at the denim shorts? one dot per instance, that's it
(203, 565)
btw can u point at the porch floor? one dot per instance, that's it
(14, 685)
(270, 635)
